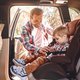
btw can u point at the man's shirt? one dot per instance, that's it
(29, 37)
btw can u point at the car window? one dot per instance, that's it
(51, 17)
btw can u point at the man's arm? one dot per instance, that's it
(27, 40)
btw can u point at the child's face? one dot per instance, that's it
(61, 39)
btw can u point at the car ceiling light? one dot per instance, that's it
(46, 1)
(61, 1)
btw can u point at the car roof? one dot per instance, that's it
(71, 3)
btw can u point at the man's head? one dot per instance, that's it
(36, 16)
(60, 35)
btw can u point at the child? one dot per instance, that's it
(62, 43)
(61, 38)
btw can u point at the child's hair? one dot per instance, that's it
(60, 31)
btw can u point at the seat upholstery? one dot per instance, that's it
(78, 70)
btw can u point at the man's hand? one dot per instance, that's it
(44, 50)
(52, 49)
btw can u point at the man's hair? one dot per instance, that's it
(60, 31)
(36, 11)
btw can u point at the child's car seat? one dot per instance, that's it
(62, 66)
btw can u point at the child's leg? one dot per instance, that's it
(31, 67)
(32, 57)
(25, 59)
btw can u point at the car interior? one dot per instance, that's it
(15, 13)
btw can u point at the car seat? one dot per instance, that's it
(62, 67)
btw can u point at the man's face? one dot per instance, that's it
(61, 39)
(36, 20)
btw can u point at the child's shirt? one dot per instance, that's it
(59, 47)
(57, 50)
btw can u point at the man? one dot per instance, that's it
(34, 37)
(35, 34)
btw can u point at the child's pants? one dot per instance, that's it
(31, 67)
